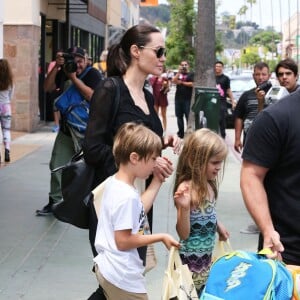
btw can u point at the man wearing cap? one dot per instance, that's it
(84, 79)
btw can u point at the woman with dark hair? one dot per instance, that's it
(140, 52)
(6, 90)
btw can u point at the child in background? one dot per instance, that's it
(195, 193)
(121, 237)
(6, 90)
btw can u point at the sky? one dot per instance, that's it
(261, 13)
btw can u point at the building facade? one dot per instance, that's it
(31, 31)
(291, 38)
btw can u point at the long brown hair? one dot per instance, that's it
(118, 57)
(6, 77)
(198, 149)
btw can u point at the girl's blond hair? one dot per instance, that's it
(199, 147)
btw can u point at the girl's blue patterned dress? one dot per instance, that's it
(196, 251)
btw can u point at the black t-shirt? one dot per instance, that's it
(273, 142)
(223, 84)
(183, 92)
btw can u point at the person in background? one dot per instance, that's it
(101, 65)
(223, 85)
(249, 105)
(64, 147)
(287, 74)
(6, 91)
(195, 194)
(90, 61)
(121, 237)
(160, 85)
(183, 95)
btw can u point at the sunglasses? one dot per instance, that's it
(159, 51)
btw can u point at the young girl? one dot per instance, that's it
(6, 89)
(195, 193)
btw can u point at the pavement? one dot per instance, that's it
(42, 258)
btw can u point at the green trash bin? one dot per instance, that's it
(207, 105)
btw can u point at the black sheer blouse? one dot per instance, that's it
(101, 128)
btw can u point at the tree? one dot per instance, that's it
(250, 58)
(267, 39)
(179, 41)
(205, 50)
(205, 44)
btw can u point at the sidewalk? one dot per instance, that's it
(45, 259)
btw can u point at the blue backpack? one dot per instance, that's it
(74, 107)
(243, 275)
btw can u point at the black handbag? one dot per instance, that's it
(77, 183)
(77, 180)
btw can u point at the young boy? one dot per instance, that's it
(121, 237)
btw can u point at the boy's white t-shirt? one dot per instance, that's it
(121, 208)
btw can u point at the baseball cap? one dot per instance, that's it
(77, 51)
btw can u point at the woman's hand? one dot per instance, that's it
(163, 168)
(175, 142)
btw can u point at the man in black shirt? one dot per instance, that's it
(223, 85)
(270, 177)
(183, 95)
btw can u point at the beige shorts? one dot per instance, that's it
(112, 292)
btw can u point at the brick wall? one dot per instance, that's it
(21, 48)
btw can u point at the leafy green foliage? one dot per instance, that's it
(267, 39)
(181, 30)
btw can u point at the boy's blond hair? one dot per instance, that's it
(132, 137)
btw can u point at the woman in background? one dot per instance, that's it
(6, 90)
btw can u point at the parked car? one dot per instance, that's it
(238, 84)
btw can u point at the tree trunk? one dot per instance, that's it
(205, 50)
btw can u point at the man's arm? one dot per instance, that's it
(49, 83)
(176, 79)
(260, 95)
(83, 89)
(256, 201)
(238, 128)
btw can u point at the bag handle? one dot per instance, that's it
(174, 259)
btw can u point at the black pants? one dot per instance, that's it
(222, 120)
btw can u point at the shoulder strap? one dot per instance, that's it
(84, 72)
(116, 103)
